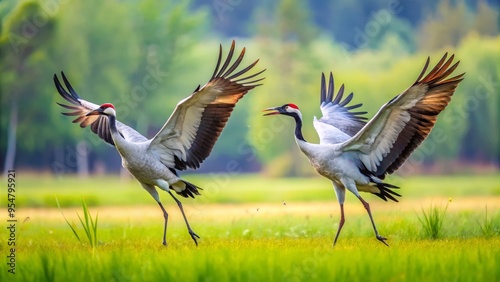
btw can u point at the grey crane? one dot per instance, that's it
(184, 141)
(357, 155)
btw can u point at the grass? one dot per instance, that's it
(239, 243)
(432, 220)
(272, 259)
(489, 226)
(258, 240)
(89, 225)
(39, 191)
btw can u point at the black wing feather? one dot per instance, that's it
(336, 111)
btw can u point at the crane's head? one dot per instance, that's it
(105, 109)
(287, 109)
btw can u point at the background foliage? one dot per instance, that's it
(108, 49)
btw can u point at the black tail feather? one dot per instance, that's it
(190, 191)
(386, 192)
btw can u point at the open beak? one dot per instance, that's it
(272, 111)
(94, 112)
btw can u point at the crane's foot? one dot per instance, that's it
(337, 236)
(194, 236)
(164, 243)
(382, 239)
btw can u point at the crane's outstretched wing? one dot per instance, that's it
(99, 124)
(187, 138)
(337, 113)
(399, 127)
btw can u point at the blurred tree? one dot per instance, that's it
(453, 21)
(101, 54)
(127, 54)
(287, 32)
(486, 19)
(139, 60)
(462, 131)
(339, 19)
(23, 49)
(229, 17)
(6, 8)
(396, 34)
(294, 22)
(174, 45)
(167, 38)
(444, 27)
(149, 54)
(481, 103)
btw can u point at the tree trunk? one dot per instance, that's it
(82, 160)
(10, 155)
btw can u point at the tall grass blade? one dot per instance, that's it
(87, 231)
(488, 226)
(88, 223)
(94, 228)
(432, 221)
(67, 222)
(47, 267)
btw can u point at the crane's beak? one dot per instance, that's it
(272, 111)
(94, 112)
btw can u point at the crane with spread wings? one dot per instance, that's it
(357, 155)
(184, 141)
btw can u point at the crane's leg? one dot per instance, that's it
(351, 186)
(191, 232)
(340, 192)
(165, 215)
(152, 190)
(367, 207)
(341, 223)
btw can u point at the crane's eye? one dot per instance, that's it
(286, 107)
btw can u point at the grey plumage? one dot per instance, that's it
(185, 140)
(357, 155)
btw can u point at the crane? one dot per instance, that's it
(356, 154)
(184, 141)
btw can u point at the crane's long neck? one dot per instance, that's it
(112, 124)
(117, 137)
(298, 128)
(307, 148)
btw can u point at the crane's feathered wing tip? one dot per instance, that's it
(440, 71)
(322, 89)
(218, 61)
(331, 86)
(436, 90)
(327, 95)
(226, 71)
(233, 42)
(220, 73)
(229, 83)
(60, 89)
(70, 96)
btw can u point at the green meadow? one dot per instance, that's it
(254, 228)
